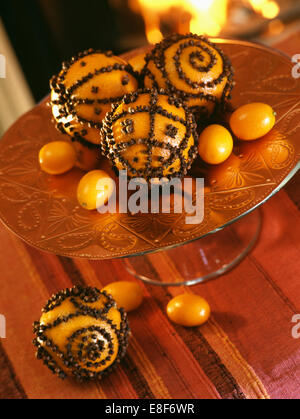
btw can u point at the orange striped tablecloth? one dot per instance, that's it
(246, 350)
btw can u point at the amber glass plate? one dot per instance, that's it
(43, 210)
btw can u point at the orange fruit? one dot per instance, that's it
(215, 144)
(57, 157)
(127, 294)
(188, 310)
(252, 121)
(95, 189)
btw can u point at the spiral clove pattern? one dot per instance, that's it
(192, 68)
(81, 333)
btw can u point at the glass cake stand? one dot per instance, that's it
(201, 260)
(43, 210)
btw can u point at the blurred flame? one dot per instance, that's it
(197, 16)
(268, 8)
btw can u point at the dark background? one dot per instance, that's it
(46, 32)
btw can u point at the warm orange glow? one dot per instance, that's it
(275, 27)
(209, 17)
(154, 35)
(197, 16)
(268, 8)
(271, 10)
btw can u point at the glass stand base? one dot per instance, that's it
(201, 260)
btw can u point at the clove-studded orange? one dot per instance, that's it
(83, 91)
(190, 67)
(81, 333)
(151, 135)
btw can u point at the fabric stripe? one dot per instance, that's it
(203, 353)
(166, 268)
(137, 379)
(180, 372)
(273, 284)
(143, 363)
(72, 272)
(241, 370)
(280, 243)
(181, 359)
(50, 273)
(10, 387)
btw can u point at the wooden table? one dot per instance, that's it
(246, 350)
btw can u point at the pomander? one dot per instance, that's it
(191, 67)
(82, 93)
(151, 135)
(81, 333)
